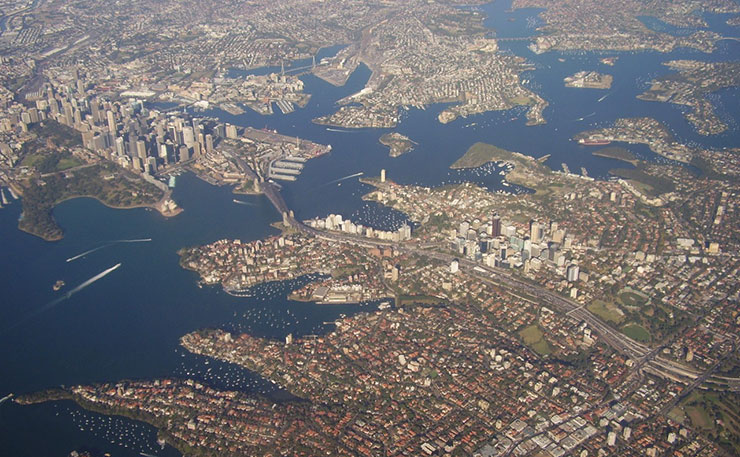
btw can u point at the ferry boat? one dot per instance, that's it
(592, 142)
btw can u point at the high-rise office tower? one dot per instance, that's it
(496, 225)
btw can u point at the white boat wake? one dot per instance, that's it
(345, 178)
(78, 256)
(97, 277)
(56, 301)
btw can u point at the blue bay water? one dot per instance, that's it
(127, 324)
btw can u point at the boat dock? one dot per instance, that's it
(285, 106)
(286, 168)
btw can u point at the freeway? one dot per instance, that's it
(617, 340)
(696, 383)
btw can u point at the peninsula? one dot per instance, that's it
(582, 25)
(690, 86)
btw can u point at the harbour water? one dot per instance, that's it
(126, 325)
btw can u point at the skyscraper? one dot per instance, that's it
(495, 225)
(141, 149)
(209, 143)
(188, 137)
(231, 132)
(112, 127)
(536, 232)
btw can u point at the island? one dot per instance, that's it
(589, 80)
(399, 144)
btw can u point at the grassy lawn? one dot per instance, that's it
(637, 332)
(31, 160)
(67, 163)
(50, 162)
(522, 101)
(532, 337)
(616, 152)
(699, 417)
(479, 154)
(716, 414)
(347, 270)
(607, 311)
(632, 299)
(646, 183)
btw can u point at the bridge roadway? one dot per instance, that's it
(623, 344)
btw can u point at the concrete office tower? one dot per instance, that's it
(184, 153)
(141, 149)
(572, 273)
(112, 127)
(188, 137)
(231, 132)
(209, 143)
(536, 231)
(120, 147)
(496, 225)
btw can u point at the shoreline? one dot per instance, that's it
(154, 206)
